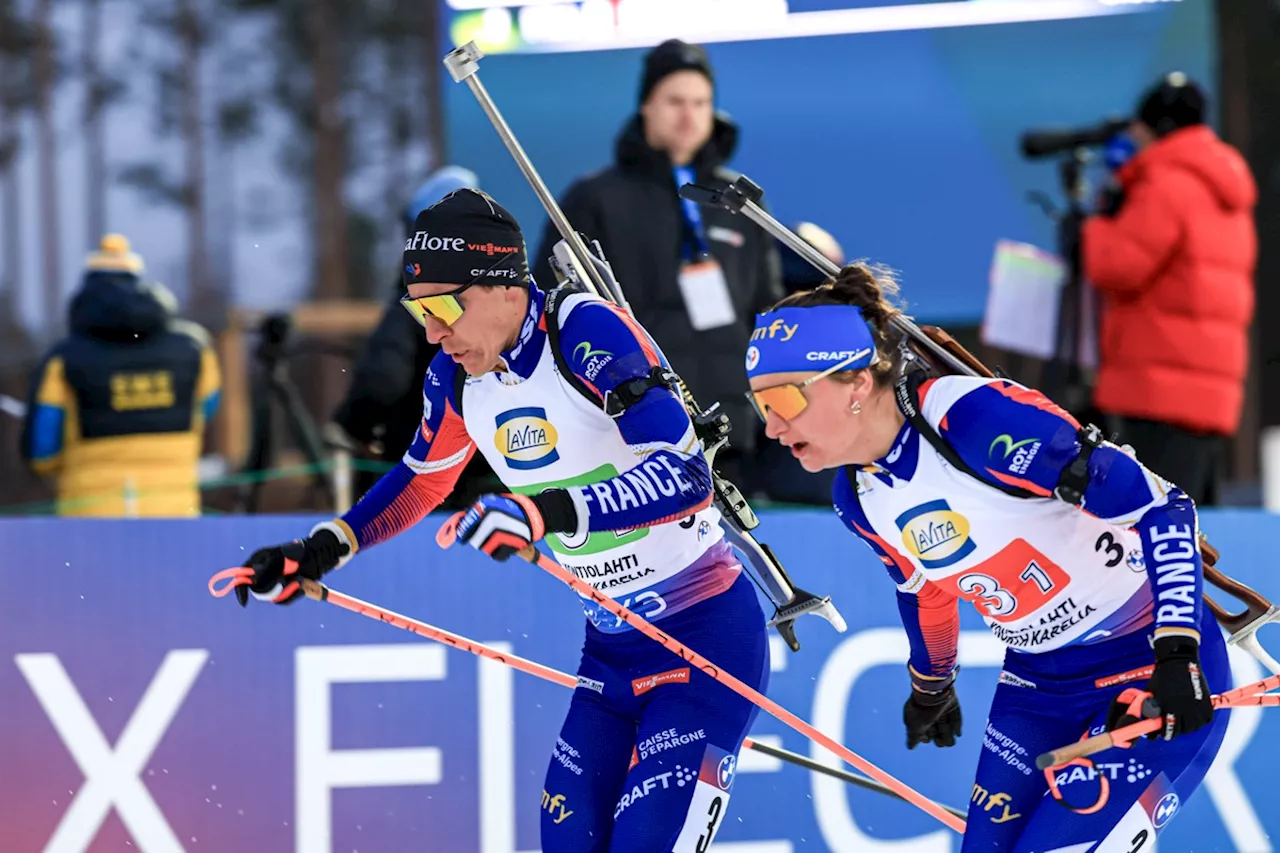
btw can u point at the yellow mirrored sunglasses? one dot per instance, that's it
(788, 400)
(446, 308)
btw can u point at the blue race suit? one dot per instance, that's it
(1078, 595)
(646, 757)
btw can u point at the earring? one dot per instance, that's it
(856, 408)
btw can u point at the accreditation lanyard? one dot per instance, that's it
(694, 243)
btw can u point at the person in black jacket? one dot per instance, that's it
(383, 406)
(695, 277)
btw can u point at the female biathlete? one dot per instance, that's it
(1083, 562)
(601, 459)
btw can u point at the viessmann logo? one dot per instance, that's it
(649, 682)
(491, 249)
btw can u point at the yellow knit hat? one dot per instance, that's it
(113, 255)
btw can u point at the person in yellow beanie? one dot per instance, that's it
(117, 409)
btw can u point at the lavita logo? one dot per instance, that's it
(937, 535)
(526, 439)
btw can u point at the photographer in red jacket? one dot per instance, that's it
(1173, 261)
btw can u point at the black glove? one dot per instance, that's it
(932, 718)
(1179, 694)
(277, 570)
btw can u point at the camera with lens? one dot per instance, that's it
(1048, 142)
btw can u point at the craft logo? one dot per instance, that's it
(851, 355)
(936, 535)
(494, 272)
(1023, 452)
(649, 682)
(753, 358)
(526, 439)
(1133, 772)
(776, 328)
(665, 781)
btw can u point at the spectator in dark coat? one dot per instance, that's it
(695, 277)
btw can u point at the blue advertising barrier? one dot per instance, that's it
(138, 712)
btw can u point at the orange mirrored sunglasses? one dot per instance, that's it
(446, 308)
(788, 400)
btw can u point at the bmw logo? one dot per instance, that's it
(1165, 809)
(724, 776)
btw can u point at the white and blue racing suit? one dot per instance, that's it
(1076, 593)
(645, 759)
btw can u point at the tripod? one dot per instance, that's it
(272, 387)
(1064, 378)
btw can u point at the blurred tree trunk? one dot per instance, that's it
(432, 81)
(94, 141)
(47, 157)
(399, 131)
(205, 304)
(330, 237)
(1250, 88)
(12, 99)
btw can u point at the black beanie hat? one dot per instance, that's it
(669, 57)
(1173, 103)
(465, 238)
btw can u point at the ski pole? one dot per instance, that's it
(447, 535)
(319, 592)
(1249, 695)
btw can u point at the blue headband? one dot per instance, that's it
(809, 340)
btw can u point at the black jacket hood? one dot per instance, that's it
(119, 306)
(632, 152)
